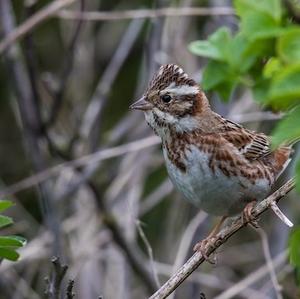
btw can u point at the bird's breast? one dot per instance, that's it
(210, 189)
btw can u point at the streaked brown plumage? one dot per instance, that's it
(217, 164)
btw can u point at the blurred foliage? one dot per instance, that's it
(294, 248)
(9, 244)
(264, 56)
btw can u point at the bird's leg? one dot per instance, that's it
(203, 245)
(247, 214)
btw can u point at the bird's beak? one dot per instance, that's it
(141, 104)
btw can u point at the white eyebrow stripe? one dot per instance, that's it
(181, 90)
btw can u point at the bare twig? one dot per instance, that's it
(30, 116)
(39, 17)
(255, 116)
(91, 119)
(280, 215)
(85, 160)
(70, 286)
(271, 268)
(145, 13)
(155, 197)
(150, 252)
(132, 252)
(54, 284)
(54, 7)
(67, 67)
(214, 282)
(197, 259)
(253, 277)
(186, 241)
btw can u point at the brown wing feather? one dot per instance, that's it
(252, 145)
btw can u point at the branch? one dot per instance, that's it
(132, 252)
(69, 293)
(91, 123)
(91, 159)
(38, 18)
(197, 259)
(253, 277)
(68, 63)
(30, 117)
(145, 13)
(267, 253)
(53, 8)
(54, 285)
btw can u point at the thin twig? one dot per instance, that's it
(271, 268)
(186, 240)
(30, 116)
(39, 17)
(214, 282)
(280, 215)
(70, 286)
(253, 277)
(255, 116)
(53, 9)
(131, 251)
(150, 252)
(85, 160)
(145, 13)
(54, 284)
(68, 62)
(197, 259)
(155, 197)
(92, 117)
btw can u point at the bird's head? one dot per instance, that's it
(172, 101)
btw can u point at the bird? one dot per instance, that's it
(216, 164)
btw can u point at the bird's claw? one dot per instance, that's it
(203, 246)
(247, 216)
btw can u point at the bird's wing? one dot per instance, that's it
(250, 144)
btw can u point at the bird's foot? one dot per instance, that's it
(247, 216)
(203, 246)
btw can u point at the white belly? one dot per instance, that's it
(214, 193)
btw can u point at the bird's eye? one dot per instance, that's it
(166, 98)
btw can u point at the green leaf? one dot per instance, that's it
(260, 90)
(288, 45)
(20, 239)
(5, 204)
(288, 128)
(220, 77)
(294, 247)
(272, 67)
(9, 254)
(260, 49)
(238, 56)
(4, 221)
(285, 88)
(259, 26)
(11, 241)
(225, 89)
(205, 49)
(214, 47)
(271, 8)
(214, 74)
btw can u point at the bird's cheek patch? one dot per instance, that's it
(181, 108)
(165, 116)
